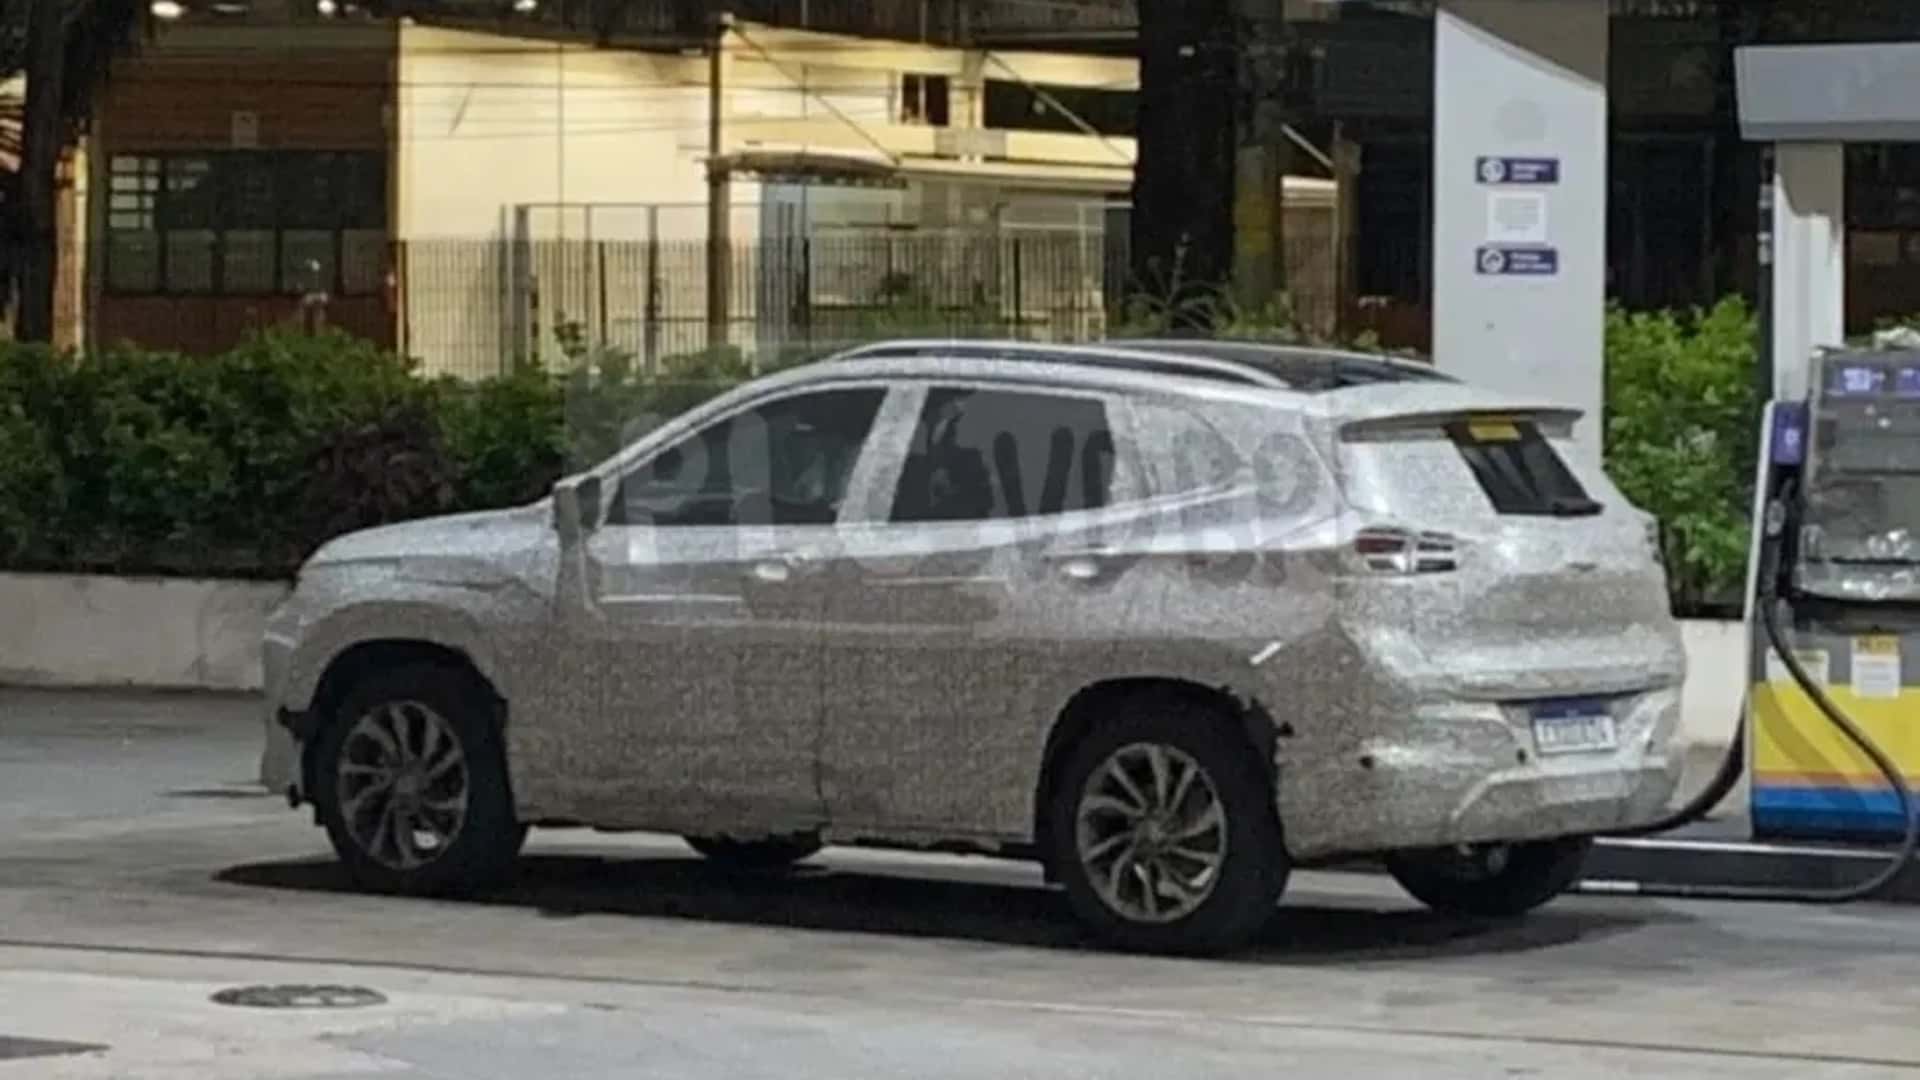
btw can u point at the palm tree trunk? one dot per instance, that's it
(42, 135)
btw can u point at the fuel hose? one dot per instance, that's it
(1767, 600)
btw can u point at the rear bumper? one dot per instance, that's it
(1468, 772)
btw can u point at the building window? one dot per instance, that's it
(924, 100)
(246, 223)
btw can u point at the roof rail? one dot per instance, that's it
(1154, 361)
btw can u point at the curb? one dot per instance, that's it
(1621, 866)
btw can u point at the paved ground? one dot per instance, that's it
(140, 874)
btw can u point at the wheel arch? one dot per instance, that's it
(353, 663)
(1084, 712)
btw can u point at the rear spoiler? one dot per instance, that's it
(1552, 418)
(1425, 404)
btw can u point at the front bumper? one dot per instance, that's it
(280, 760)
(280, 755)
(1469, 773)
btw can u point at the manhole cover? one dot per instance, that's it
(300, 997)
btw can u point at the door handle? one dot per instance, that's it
(1081, 568)
(778, 569)
(1085, 565)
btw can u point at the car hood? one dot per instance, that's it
(492, 537)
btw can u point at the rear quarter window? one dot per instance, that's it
(1184, 452)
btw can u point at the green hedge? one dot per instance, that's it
(241, 464)
(1682, 416)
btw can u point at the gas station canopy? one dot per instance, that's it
(1810, 101)
(1829, 93)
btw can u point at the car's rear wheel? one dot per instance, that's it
(772, 853)
(411, 784)
(1164, 830)
(1490, 881)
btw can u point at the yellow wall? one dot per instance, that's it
(486, 123)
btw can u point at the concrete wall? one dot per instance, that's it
(1716, 681)
(1522, 79)
(61, 630)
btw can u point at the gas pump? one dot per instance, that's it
(1828, 739)
(1835, 648)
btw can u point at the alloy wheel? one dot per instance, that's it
(1151, 833)
(403, 784)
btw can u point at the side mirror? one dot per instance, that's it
(576, 507)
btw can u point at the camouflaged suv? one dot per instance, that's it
(1170, 617)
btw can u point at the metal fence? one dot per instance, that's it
(474, 307)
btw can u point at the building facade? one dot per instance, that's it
(478, 187)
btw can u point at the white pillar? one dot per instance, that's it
(1809, 259)
(1520, 199)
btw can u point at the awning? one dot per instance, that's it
(874, 169)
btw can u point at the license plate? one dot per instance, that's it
(1580, 727)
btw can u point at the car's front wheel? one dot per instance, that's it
(1164, 830)
(410, 780)
(1490, 881)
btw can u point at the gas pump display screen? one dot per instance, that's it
(1872, 381)
(1861, 493)
(1856, 380)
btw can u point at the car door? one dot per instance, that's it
(697, 658)
(981, 589)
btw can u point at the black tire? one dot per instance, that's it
(773, 853)
(483, 847)
(1525, 877)
(1253, 867)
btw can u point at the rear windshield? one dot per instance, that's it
(1463, 470)
(1519, 469)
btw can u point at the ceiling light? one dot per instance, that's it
(167, 9)
(328, 8)
(525, 7)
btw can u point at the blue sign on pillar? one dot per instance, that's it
(1518, 170)
(1499, 260)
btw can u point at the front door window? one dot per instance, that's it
(787, 462)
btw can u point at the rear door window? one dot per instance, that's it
(982, 454)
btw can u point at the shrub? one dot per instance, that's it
(505, 438)
(1681, 417)
(32, 482)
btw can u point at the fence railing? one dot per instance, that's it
(474, 307)
(478, 307)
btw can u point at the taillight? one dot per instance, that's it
(1403, 551)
